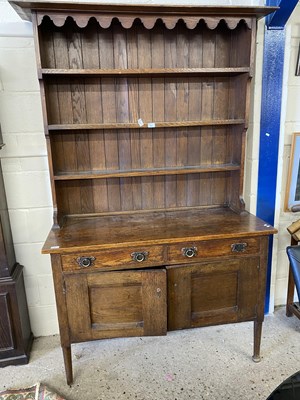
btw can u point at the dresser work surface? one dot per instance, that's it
(146, 112)
(152, 228)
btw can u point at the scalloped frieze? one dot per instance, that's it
(170, 21)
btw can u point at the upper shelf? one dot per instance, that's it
(230, 71)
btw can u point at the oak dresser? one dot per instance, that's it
(146, 110)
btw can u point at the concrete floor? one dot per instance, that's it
(204, 363)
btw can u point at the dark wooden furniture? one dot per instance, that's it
(292, 308)
(145, 112)
(15, 333)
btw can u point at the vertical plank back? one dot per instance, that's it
(97, 99)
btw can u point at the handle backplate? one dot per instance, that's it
(189, 252)
(238, 247)
(139, 256)
(85, 262)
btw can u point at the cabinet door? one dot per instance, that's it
(212, 293)
(116, 304)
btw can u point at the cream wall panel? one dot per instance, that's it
(16, 43)
(21, 111)
(46, 289)
(290, 123)
(34, 262)
(43, 320)
(30, 225)
(24, 164)
(252, 139)
(32, 291)
(293, 103)
(281, 285)
(25, 81)
(23, 145)
(28, 189)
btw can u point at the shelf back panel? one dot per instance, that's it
(86, 100)
(143, 193)
(72, 100)
(94, 47)
(137, 149)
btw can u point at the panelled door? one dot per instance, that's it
(116, 304)
(212, 292)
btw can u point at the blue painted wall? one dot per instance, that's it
(274, 43)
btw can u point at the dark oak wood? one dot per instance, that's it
(145, 172)
(171, 124)
(147, 71)
(155, 228)
(212, 293)
(146, 111)
(116, 304)
(24, 7)
(15, 332)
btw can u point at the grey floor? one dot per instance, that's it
(204, 363)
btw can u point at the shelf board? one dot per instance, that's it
(229, 71)
(145, 172)
(148, 125)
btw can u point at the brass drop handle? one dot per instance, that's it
(139, 256)
(189, 252)
(238, 247)
(85, 262)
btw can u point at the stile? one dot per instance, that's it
(170, 115)
(133, 98)
(146, 114)
(158, 106)
(122, 111)
(182, 108)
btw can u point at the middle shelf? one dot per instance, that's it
(145, 125)
(144, 172)
(226, 71)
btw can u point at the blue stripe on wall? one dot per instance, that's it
(269, 133)
(274, 42)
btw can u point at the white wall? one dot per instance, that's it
(290, 122)
(25, 168)
(24, 157)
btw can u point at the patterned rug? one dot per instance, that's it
(36, 392)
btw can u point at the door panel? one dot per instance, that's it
(116, 304)
(212, 293)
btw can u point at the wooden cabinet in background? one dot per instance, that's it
(145, 112)
(15, 332)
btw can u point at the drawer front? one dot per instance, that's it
(137, 257)
(191, 251)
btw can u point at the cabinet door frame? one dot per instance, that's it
(144, 291)
(183, 309)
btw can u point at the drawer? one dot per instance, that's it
(191, 251)
(132, 257)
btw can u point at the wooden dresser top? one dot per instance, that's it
(149, 228)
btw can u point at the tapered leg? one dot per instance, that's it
(68, 364)
(257, 340)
